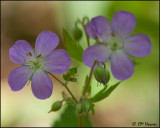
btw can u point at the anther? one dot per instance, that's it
(30, 53)
(112, 34)
(39, 56)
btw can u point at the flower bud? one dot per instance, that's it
(77, 33)
(56, 106)
(101, 75)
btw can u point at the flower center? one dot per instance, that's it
(35, 62)
(114, 43)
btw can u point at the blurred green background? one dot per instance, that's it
(135, 100)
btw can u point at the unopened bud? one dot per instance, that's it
(77, 33)
(56, 106)
(101, 74)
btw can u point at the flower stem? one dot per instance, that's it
(84, 25)
(89, 79)
(65, 85)
(87, 37)
(79, 121)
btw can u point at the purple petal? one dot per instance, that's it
(123, 23)
(98, 51)
(18, 78)
(57, 62)
(99, 28)
(121, 66)
(138, 45)
(20, 52)
(41, 85)
(46, 42)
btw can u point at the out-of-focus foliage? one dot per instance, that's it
(68, 118)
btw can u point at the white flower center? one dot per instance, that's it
(114, 43)
(35, 62)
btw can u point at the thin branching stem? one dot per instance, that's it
(84, 27)
(89, 79)
(65, 85)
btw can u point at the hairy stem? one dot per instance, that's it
(89, 79)
(65, 85)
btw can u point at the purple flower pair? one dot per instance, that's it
(36, 63)
(116, 43)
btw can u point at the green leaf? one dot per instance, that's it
(69, 100)
(65, 77)
(72, 47)
(72, 71)
(104, 93)
(73, 79)
(93, 111)
(68, 118)
(70, 75)
(85, 121)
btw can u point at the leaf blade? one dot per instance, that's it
(104, 94)
(72, 47)
(69, 118)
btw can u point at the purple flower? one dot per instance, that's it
(36, 63)
(116, 43)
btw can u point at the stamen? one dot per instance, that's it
(39, 56)
(112, 34)
(30, 53)
(27, 54)
(97, 37)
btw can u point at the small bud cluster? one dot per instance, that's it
(101, 74)
(70, 75)
(84, 106)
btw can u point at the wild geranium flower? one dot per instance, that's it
(36, 63)
(116, 43)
